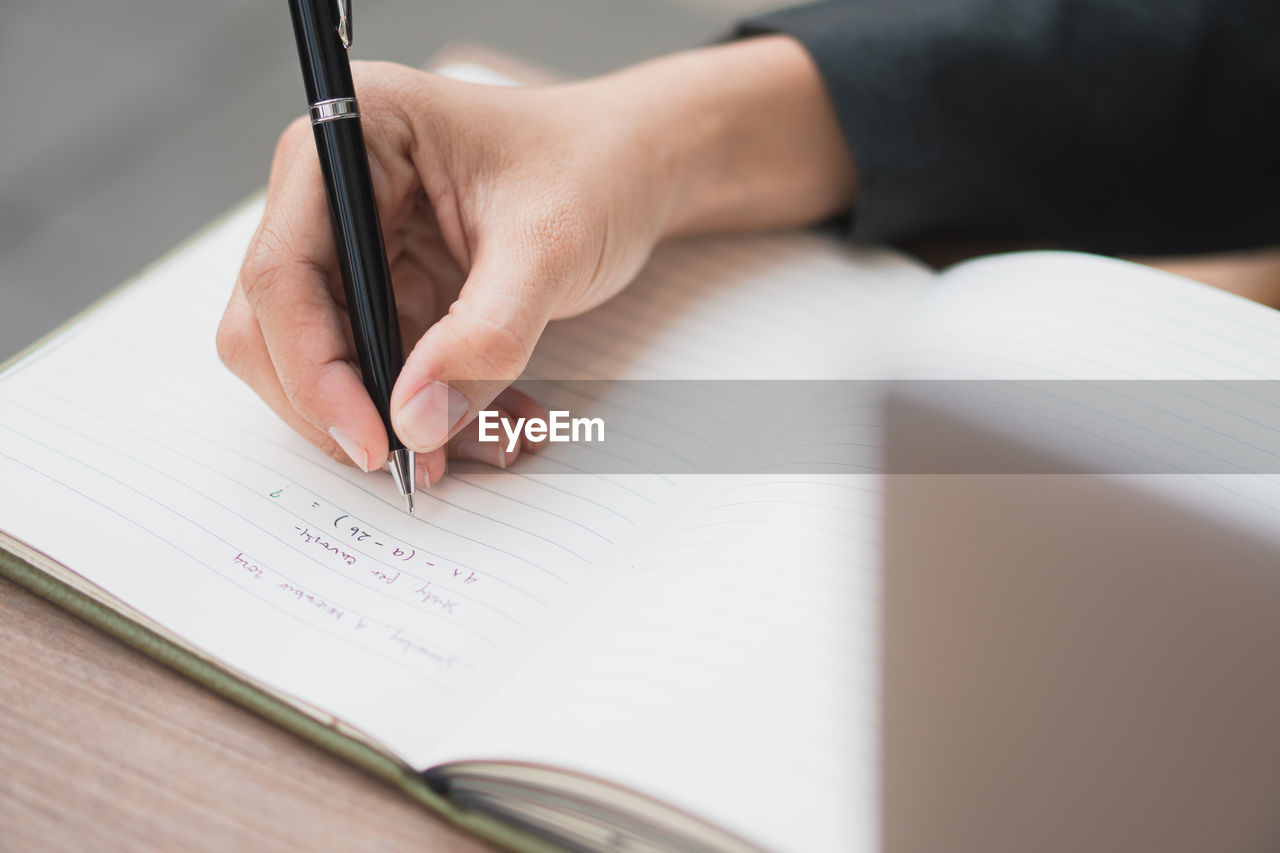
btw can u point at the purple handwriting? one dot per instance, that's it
(314, 600)
(373, 544)
(361, 534)
(428, 596)
(411, 646)
(249, 566)
(315, 539)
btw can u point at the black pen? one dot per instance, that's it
(323, 32)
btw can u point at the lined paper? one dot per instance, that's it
(130, 455)
(736, 663)
(1060, 315)
(133, 457)
(711, 642)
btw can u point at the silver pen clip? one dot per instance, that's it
(344, 22)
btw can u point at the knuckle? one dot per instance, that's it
(308, 385)
(257, 276)
(386, 90)
(380, 80)
(262, 262)
(230, 343)
(499, 350)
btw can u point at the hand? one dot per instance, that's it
(503, 209)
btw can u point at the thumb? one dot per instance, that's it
(471, 354)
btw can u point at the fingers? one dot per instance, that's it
(512, 407)
(430, 467)
(248, 354)
(473, 353)
(517, 404)
(243, 350)
(466, 446)
(301, 352)
(284, 333)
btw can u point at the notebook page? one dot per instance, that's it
(133, 457)
(667, 684)
(1065, 315)
(1059, 315)
(771, 575)
(788, 305)
(733, 671)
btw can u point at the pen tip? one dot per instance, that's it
(408, 499)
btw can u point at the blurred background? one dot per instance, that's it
(127, 125)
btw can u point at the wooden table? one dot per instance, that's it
(102, 747)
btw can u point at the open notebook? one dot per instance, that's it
(1082, 662)
(703, 642)
(633, 662)
(630, 661)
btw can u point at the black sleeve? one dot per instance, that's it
(1120, 126)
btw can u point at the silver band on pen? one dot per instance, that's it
(334, 108)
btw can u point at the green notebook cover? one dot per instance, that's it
(229, 686)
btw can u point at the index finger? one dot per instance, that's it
(287, 278)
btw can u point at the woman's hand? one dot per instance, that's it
(503, 209)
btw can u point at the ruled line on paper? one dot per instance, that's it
(756, 731)
(279, 475)
(711, 414)
(759, 729)
(788, 502)
(163, 389)
(171, 389)
(825, 555)
(391, 567)
(399, 663)
(502, 496)
(1119, 309)
(329, 571)
(653, 580)
(628, 519)
(293, 452)
(762, 483)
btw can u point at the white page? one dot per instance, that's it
(1060, 315)
(681, 696)
(788, 305)
(800, 740)
(721, 636)
(733, 671)
(132, 456)
(1065, 315)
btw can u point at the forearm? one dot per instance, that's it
(734, 137)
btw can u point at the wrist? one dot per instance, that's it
(736, 137)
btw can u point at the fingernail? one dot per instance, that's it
(427, 419)
(488, 452)
(352, 448)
